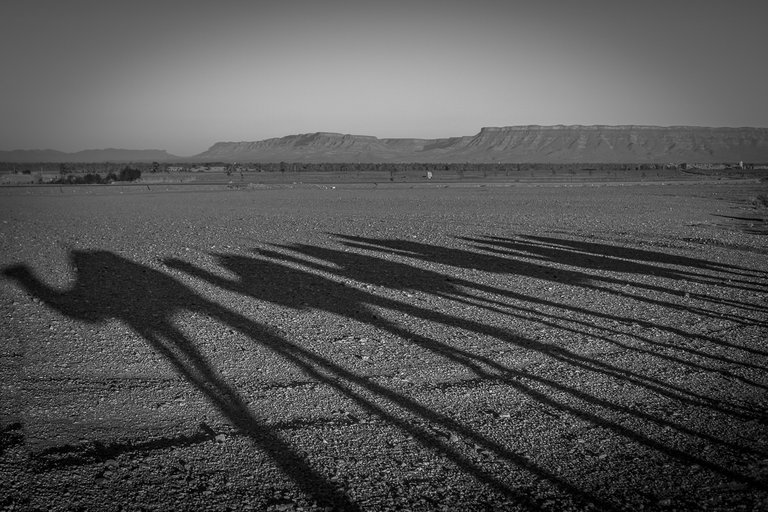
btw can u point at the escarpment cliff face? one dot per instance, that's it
(313, 147)
(515, 144)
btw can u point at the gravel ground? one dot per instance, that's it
(431, 348)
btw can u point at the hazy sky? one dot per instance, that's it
(181, 75)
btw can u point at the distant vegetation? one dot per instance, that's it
(70, 178)
(153, 167)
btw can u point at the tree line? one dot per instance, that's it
(127, 173)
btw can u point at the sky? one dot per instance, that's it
(182, 75)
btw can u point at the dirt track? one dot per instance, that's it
(542, 348)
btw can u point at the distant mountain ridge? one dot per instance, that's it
(88, 155)
(510, 144)
(513, 144)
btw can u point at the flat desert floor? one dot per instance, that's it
(389, 348)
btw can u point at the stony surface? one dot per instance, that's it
(506, 348)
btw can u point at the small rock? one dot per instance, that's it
(207, 429)
(351, 417)
(220, 438)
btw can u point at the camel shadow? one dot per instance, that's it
(299, 276)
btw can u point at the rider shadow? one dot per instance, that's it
(504, 261)
(600, 256)
(108, 286)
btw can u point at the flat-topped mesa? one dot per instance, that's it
(516, 144)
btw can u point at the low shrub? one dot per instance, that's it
(129, 174)
(91, 179)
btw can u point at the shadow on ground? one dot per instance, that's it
(318, 277)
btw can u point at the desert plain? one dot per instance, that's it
(440, 347)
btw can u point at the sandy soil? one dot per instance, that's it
(319, 348)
